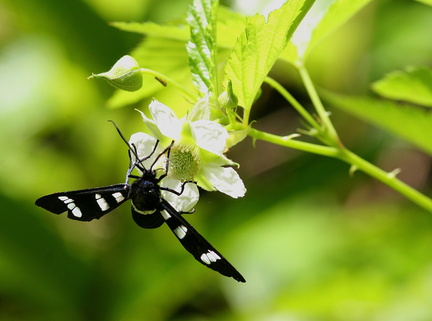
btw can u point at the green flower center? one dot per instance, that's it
(184, 162)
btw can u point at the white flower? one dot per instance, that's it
(197, 153)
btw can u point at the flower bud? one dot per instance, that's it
(228, 99)
(125, 74)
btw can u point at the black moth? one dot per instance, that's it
(149, 208)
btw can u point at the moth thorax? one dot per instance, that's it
(145, 195)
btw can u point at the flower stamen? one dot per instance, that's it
(184, 162)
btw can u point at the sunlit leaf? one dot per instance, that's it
(408, 122)
(202, 45)
(427, 2)
(324, 18)
(230, 26)
(259, 46)
(338, 14)
(175, 32)
(413, 85)
(163, 50)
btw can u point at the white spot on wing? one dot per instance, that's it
(65, 199)
(76, 212)
(205, 259)
(213, 256)
(118, 196)
(180, 231)
(210, 257)
(104, 206)
(165, 215)
(71, 205)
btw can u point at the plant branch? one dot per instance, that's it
(354, 160)
(387, 178)
(288, 141)
(297, 106)
(166, 80)
(323, 114)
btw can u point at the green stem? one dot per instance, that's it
(387, 178)
(349, 157)
(322, 113)
(246, 115)
(297, 106)
(287, 141)
(166, 80)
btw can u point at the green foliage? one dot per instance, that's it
(154, 29)
(427, 2)
(413, 85)
(321, 21)
(409, 122)
(337, 14)
(312, 242)
(258, 48)
(202, 45)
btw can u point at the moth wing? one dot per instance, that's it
(86, 204)
(196, 244)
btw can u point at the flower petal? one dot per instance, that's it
(201, 110)
(184, 202)
(225, 180)
(151, 125)
(210, 136)
(165, 119)
(144, 145)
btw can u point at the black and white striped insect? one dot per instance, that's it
(149, 208)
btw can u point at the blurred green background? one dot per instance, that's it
(312, 242)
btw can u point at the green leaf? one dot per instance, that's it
(202, 45)
(175, 32)
(408, 122)
(230, 26)
(427, 2)
(258, 48)
(413, 85)
(163, 50)
(324, 18)
(340, 12)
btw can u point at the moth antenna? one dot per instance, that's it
(167, 151)
(132, 149)
(120, 133)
